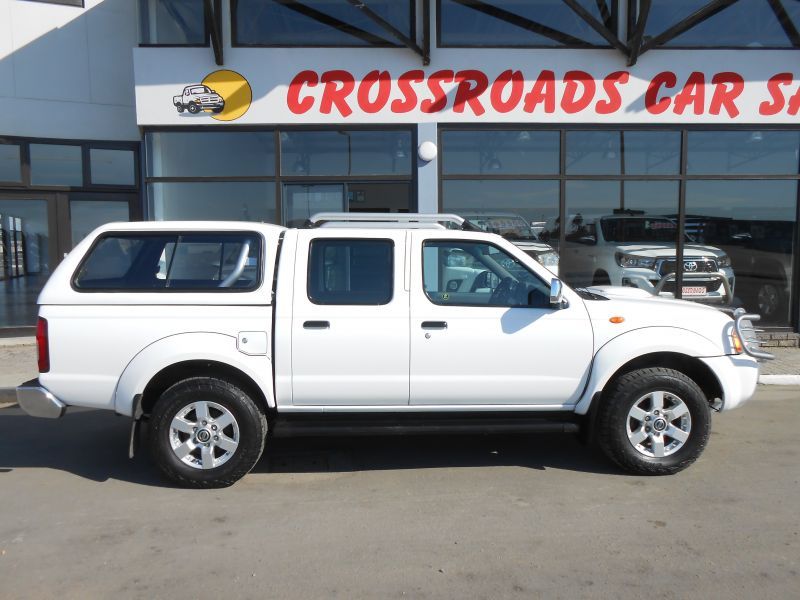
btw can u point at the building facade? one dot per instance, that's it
(631, 136)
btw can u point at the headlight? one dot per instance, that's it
(724, 261)
(632, 260)
(548, 259)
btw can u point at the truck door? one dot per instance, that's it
(350, 330)
(476, 337)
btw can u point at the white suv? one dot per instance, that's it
(637, 250)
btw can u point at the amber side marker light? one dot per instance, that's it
(617, 320)
(737, 342)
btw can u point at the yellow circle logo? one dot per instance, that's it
(235, 91)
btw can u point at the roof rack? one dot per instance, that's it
(344, 217)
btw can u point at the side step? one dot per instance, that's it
(415, 424)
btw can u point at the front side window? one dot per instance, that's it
(318, 22)
(466, 273)
(351, 272)
(171, 262)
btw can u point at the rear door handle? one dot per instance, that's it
(316, 325)
(434, 324)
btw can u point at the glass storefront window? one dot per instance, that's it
(210, 154)
(10, 164)
(112, 167)
(346, 153)
(500, 152)
(746, 23)
(525, 23)
(594, 153)
(534, 202)
(622, 234)
(743, 152)
(172, 23)
(53, 164)
(318, 23)
(652, 152)
(301, 201)
(755, 223)
(212, 201)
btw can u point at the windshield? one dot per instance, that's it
(639, 229)
(510, 227)
(200, 90)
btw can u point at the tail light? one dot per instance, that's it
(43, 345)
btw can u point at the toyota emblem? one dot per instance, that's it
(691, 266)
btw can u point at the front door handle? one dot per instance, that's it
(434, 324)
(316, 325)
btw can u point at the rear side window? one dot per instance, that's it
(172, 262)
(351, 272)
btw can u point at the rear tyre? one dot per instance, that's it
(653, 421)
(206, 433)
(179, 107)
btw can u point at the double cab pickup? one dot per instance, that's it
(220, 335)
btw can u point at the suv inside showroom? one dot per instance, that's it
(629, 248)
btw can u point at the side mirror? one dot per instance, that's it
(556, 295)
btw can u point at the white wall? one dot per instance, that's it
(67, 72)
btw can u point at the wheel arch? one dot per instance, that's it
(176, 357)
(692, 367)
(176, 372)
(670, 347)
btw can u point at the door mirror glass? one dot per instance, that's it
(556, 292)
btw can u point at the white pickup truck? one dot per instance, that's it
(218, 334)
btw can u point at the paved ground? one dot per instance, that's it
(486, 517)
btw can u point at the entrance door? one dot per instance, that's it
(28, 253)
(36, 232)
(483, 330)
(89, 211)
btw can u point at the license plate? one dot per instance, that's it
(694, 290)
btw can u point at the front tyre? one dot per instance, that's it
(206, 433)
(654, 421)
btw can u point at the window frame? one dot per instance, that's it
(141, 44)
(278, 179)
(86, 146)
(177, 235)
(615, 5)
(426, 241)
(632, 15)
(682, 177)
(235, 43)
(310, 265)
(75, 3)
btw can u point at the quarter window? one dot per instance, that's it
(463, 273)
(351, 272)
(171, 262)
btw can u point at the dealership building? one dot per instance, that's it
(630, 135)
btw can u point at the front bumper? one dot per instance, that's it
(720, 283)
(38, 401)
(738, 377)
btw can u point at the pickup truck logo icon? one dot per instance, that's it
(224, 95)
